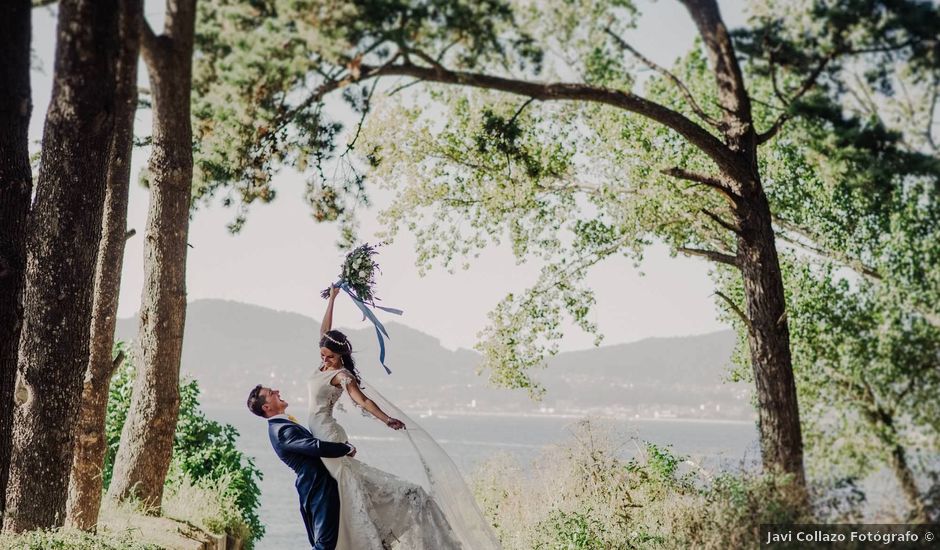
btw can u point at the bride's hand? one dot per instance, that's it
(334, 290)
(395, 424)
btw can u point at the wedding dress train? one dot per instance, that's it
(381, 511)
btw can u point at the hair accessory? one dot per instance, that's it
(337, 342)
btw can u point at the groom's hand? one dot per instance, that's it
(352, 450)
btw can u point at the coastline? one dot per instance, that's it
(443, 414)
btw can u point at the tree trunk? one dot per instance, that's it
(905, 476)
(147, 439)
(768, 331)
(882, 422)
(63, 231)
(85, 482)
(781, 438)
(15, 189)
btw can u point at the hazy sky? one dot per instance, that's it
(282, 258)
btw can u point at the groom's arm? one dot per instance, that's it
(294, 440)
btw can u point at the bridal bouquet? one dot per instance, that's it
(357, 279)
(358, 273)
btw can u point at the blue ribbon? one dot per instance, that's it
(367, 314)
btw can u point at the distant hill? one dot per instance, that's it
(229, 347)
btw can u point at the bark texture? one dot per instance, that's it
(63, 231)
(16, 183)
(147, 438)
(781, 437)
(85, 482)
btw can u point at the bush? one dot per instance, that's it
(206, 502)
(206, 457)
(587, 495)
(206, 451)
(72, 540)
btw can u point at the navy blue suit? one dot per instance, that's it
(319, 497)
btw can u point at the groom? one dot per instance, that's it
(296, 446)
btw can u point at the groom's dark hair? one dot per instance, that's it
(256, 401)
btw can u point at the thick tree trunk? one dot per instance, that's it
(147, 439)
(781, 438)
(16, 183)
(63, 229)
(756, 256)
(85, 482)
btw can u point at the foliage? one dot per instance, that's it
(853, 188)
(119, 402)
(262, 71)
(852, 180)
(865, 368)
(358, 272)
(205, 453)
(69, 539)
(569, 185)
(211, 503)
(831, 87)
(590, 494)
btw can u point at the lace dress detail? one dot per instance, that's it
(378, 510)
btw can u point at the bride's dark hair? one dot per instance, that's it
(337, 342)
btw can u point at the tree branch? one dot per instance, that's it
(149, 41)
(734, 307)
(179, 24)
(842, 258)
(698, 136)
(520, 109)
(773, 81)
(928, 133)
(709, 181)
(712, 255)
(663, 71)
(764, 137)
(806, 86)
(720, 221)
(732, 92)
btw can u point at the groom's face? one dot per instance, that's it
(273, 404)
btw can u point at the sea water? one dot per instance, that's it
(471, 440)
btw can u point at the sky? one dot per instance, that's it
(282, 259)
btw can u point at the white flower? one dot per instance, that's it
(362, 274)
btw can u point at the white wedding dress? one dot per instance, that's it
(380, 511)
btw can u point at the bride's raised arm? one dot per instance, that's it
(352, 388)
(327, 322)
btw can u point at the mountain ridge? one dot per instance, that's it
(658, 376)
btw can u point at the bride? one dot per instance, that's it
(379, 510)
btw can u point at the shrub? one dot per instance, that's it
(587, 494)
(209, 503)
(72, 540)
(206, 451)
(205, 456)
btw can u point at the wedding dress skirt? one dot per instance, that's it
(377, 510)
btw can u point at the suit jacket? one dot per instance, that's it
(297, 448)
(319, 496)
